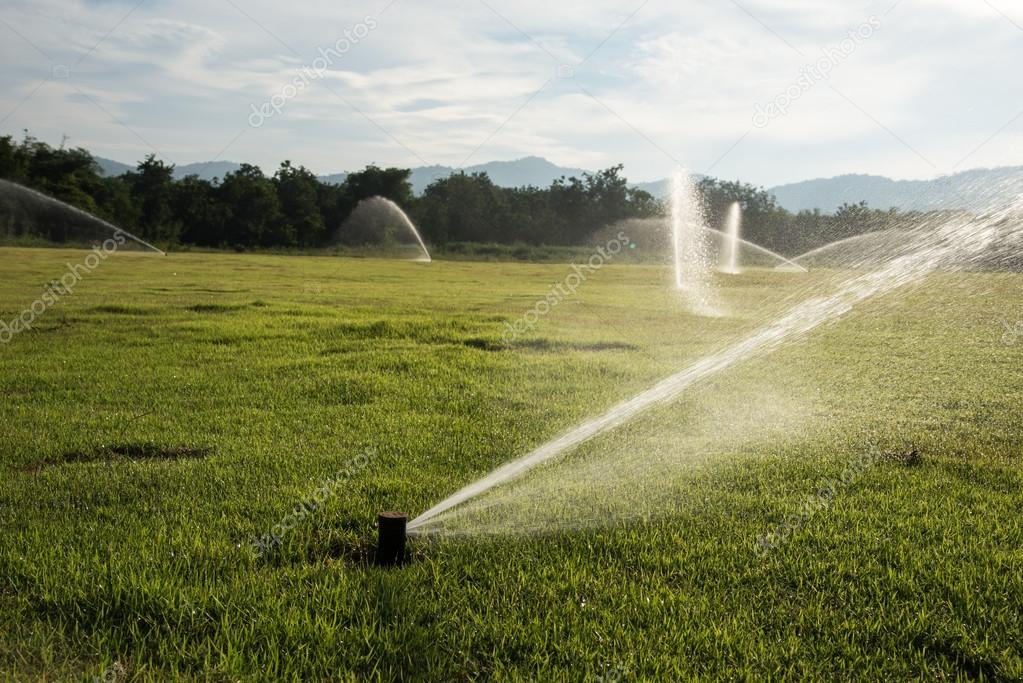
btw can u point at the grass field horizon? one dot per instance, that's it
(173, 409)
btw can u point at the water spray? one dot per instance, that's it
(381, 213)
(14, 189)
(692, 264)
(939, 242)
(785, 264)
(733, 226)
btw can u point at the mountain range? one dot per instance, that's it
(959, 190)
(826, 194)
(526, 171)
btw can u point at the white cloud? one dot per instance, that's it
(446, 77)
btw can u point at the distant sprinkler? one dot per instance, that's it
(730, 253)
(391, 534)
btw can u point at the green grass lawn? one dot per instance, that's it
(172, 410)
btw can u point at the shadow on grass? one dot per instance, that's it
(544, 344)
(947, 650)
(132, 452)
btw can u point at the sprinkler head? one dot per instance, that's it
(391, 538)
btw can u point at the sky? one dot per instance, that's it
(764, 91)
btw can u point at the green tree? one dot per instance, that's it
(461, 208)
(297, 195)
(152, 187)
(12, 160)
(252, 212)
(569, 203)
(202, 216)
(115, 203)
(372, 181)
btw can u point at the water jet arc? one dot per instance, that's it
(834, 245)
(938, 245)
(785, 263)
(8, 186)
(411, 226)
(381, 214)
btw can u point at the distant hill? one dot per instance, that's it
(662, 188)
(658, 188)
(947, 192)
(526, 171)
(826, 194)
(109, 167)
(207, 170)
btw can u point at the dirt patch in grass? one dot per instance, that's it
(908, 457)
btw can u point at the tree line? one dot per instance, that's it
(294, 209)
(771, 226)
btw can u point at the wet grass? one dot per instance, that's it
(172, 410)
